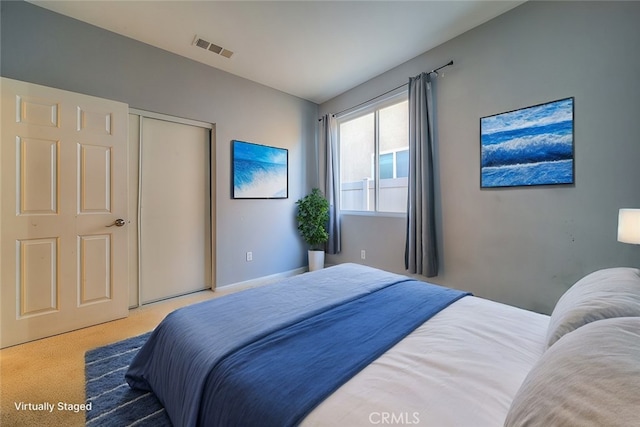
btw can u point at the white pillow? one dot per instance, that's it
(590, 377)
(612, 292)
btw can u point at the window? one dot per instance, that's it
(394, 164)
(374, 157)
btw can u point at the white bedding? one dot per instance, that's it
(588, 378)
(461, 368)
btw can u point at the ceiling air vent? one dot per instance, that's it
(204, 44)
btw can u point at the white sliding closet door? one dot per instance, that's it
(174, 216)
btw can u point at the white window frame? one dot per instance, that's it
(395, 97)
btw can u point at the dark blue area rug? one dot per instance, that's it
(113, 402)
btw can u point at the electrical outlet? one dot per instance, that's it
(363, 254)
(249, 256)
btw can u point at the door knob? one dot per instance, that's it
(118, 223)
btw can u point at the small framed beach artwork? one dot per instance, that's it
(259, 171)
(527, 147)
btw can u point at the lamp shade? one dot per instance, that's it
(629, 226)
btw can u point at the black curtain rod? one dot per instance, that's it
(435, 70)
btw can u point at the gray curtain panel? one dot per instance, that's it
(421, 252)
(329, 140)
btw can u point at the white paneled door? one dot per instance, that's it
(63, 252)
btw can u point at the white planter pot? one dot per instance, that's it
(316, 260)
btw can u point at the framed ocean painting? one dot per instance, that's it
(530, 146)
(259, 171)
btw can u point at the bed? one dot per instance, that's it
(351, 345)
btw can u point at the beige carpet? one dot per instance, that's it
(52, 369)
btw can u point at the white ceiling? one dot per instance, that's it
(311, 49)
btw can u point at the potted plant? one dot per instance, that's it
(312, 217)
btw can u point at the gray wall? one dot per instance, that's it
(525, 246)
(42, 47)
(520, 246)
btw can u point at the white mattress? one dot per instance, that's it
(460, 368)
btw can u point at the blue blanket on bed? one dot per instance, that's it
(189, 344)
(279, 379)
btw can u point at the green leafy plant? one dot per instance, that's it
(312, 217)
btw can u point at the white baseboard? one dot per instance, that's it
(260, 281)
